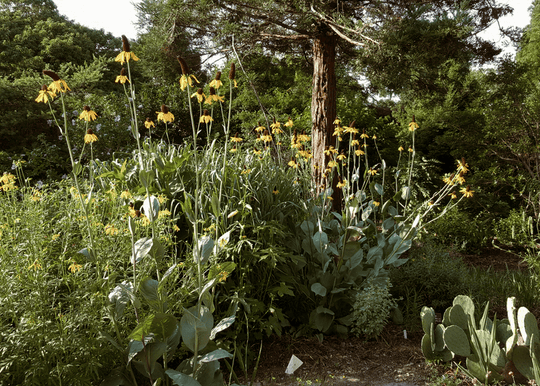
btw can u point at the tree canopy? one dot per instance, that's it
(403, 40)
(34, 36)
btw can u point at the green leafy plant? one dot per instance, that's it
(489, 345)
(372, 308)
(432, 274)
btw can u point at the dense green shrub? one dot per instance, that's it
(431, 277)
(372, 308)
(460, 230)
(516, 230)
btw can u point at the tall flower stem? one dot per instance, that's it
(133, 111)
(65, 132)
(410, 173)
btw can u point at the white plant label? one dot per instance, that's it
(293, 365)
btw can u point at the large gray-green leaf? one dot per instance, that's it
(222, 325)
(320, 240)
(216, 355)
(121, 295)
(318, 289)
(150, 208)
(141, 248)
(160, 325)
(308, 227)
(181, 379)
(321, 320)
(196, 323)
(149, 290)
(204, 249)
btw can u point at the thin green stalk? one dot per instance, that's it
(410, 171)
(76, 180)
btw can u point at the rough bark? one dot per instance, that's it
(323, 110)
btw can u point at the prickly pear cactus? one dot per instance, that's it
(467, 305)
(457, 341)
(489, 346)
(527, 325)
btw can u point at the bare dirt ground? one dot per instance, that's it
(391, 360)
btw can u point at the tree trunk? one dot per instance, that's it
(323, 112)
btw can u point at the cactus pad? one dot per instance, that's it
(457, 341)
(527, 324)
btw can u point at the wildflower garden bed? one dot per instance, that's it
(163, 265)
(389, 359)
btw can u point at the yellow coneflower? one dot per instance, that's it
(206, 117)
(277, 130)
(453, 195)
(341, 184)
(332, 164)
(45, 94)
(164, 115)
(372, 171)
(338, 131)
(460, 180)
(58, 85)
(126, 195)
(292, 163)
(259, 128)
(87, 114)
(289, 123)
(126, 55)
(355, 142)
(467, 192)
(342, 156)
(216, 83)
(149, 123)
(374, 137)
(463, 167)
(122, 78)
(74, 267)
(400, 149)
(449, 180)
(306, 154)
(233, 150)
(186, 78)
(337, 121)
(213, 97)
(199, 95)
(331, 150)
(257, 151)
(303, 137)
(413, 125)
(296, 145)
(359, 152)
(364, 135)
(376, 203)
(236, 138)
(411, 150)
(351, 129)
(267, 137)
(111, 230)
(90, 137)
(232, 74)
(275, 191)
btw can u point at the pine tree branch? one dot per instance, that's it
(335, 27)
